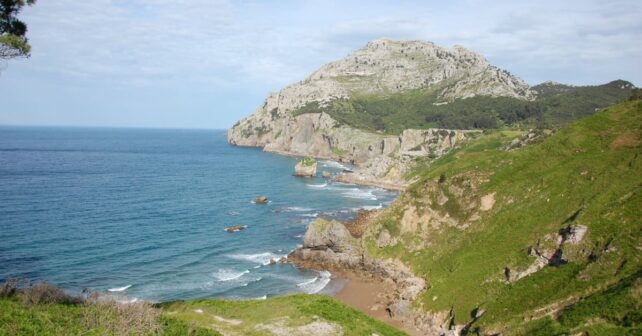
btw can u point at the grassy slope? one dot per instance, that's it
(181, 318)
(392, 113)
(538, 189)
(70, 319)
(300, 309)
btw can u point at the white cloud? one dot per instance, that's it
(250, 47)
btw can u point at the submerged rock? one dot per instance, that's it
(235, 228)
(261, 200)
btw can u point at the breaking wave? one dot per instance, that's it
(227, 275)
(316, 284)
(119, 289)
(264, 258)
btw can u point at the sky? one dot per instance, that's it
(208, 63)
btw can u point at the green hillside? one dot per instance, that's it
(555, 106)
(46, 310)
(481, 209)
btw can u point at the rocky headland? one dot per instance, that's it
(493, 218)
(281, 125)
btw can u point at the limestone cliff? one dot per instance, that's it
(381, 67)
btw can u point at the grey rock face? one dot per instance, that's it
(333, 235)
(382, 66)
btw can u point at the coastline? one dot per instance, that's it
(361, 288)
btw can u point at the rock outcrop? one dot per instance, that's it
(330, 245)
(382, 66)
(306, 167)
(261, 200)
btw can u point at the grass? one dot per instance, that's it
(308, 162)
(299, 310)
(392, 113)
(46, 310)
(538, 189)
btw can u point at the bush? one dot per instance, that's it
(9, 288)
(44, 293)
(308, 161)
(115, 318)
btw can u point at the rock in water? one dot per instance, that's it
(261, 200)
(333, 235)
(325, 174)
(306, 167)
(235, 228)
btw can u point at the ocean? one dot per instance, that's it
(140, 213)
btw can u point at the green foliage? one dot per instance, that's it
(353, 321)
(262, 130)
(339, 151)
(392, 113)
(295, 310)
(13, 42)
(308, 161)
(594, 166)
(44, 309)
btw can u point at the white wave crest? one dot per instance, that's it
(373, 207)
(313, 215)
(227, 275)
(119, 289)
(297, 209)
(317, 284)
(323, 185)
(264, 258)
(360, 194)
(333, 164)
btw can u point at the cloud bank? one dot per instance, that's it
(205, 63)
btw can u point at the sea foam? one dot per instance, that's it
(264, 258)
(228, 275)
(316, 284)
(119, 289)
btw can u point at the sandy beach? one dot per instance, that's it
(367, 295)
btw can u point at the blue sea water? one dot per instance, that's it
(141, 213)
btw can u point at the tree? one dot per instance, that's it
(13, 40)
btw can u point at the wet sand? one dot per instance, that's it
(368, 296)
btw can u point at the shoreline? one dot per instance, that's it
(343, 177)
(368, 295)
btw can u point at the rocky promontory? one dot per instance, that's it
(333, 246)
(282, 125)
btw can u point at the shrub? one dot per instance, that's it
(308, 161)
(115, 318)
(44, 293)
(9, 288)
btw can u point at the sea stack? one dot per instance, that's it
(306, 167)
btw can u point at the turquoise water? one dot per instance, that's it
(140, 213)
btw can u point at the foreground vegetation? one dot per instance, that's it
(555, 106)
(588, 174)
(46, 310)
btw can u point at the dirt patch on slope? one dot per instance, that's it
(626, 140)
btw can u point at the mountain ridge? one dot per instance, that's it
(358, 109)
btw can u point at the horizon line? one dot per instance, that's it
(112, 127)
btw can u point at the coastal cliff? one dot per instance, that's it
(537, 239)
(382, 67)
(392, 102)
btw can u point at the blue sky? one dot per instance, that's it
(207, 63)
